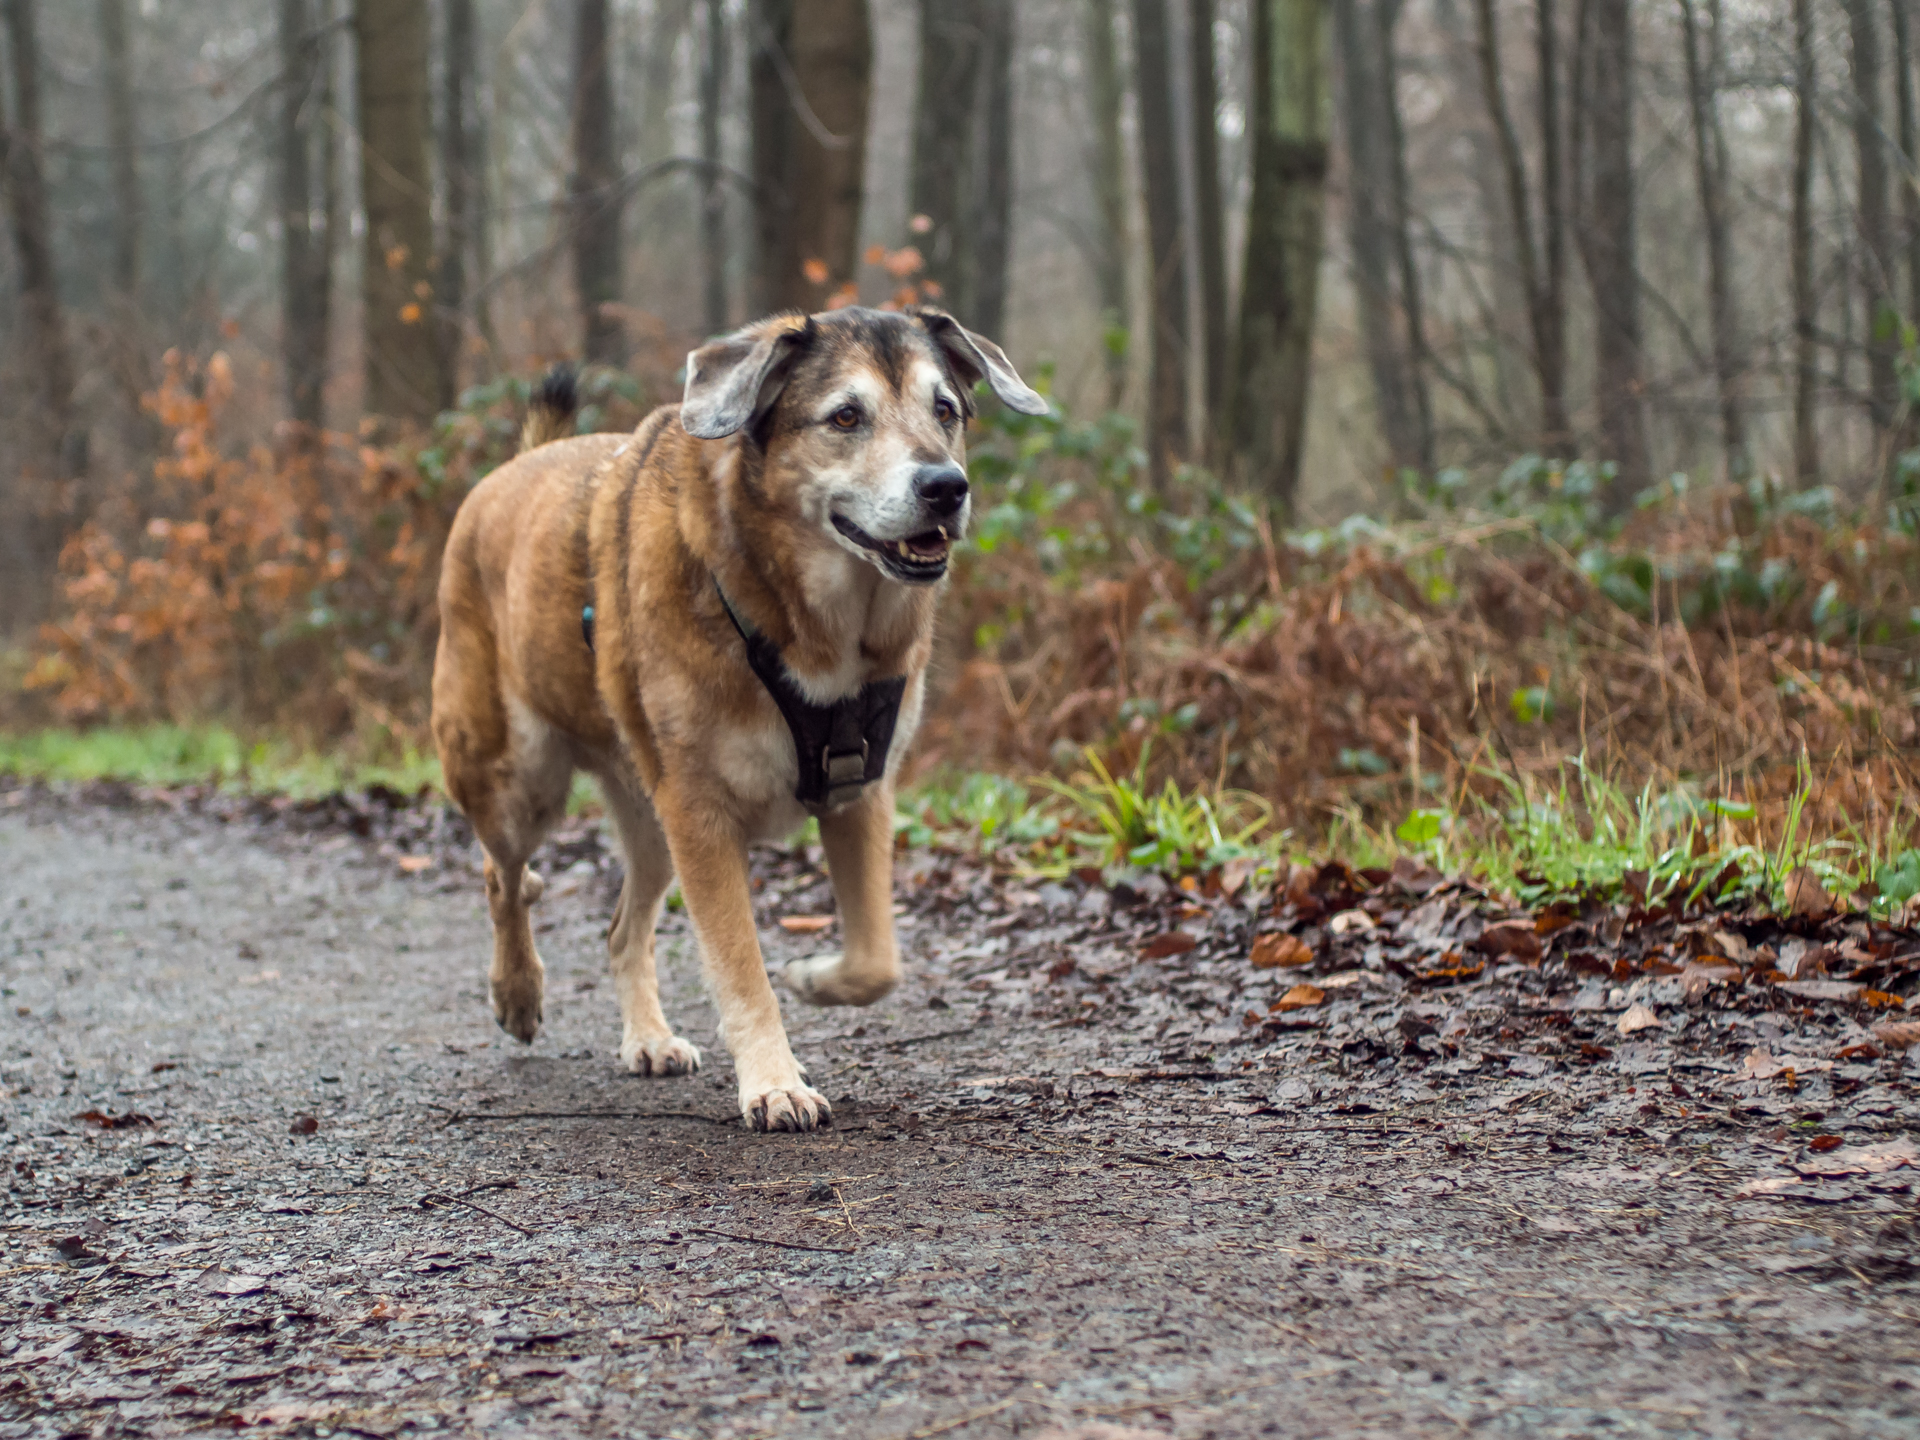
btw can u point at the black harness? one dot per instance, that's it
(841, 748)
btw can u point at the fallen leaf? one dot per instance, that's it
(217, 1281)
(108, 1121)
(1898, 1034)
(1762, 1066)
(303, 1125)
(1865, 1050)
(1806, 896)
(1770, 1185)
(1881, 999)
(1821, 1144)
(414, 864)
(1637, 1018)
(1516, 938)
(1236, 872)
(1348, 922)
(1174, 942)
(1300, 997)
(1697, 979)
(1822, 989)
(1343, 980)
(1278, 950)
(805, 924)
(1864, 1159)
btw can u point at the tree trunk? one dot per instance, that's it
(1806, 440)
(1909, 140)
(943, 187)
(1106, 100)
(1285, 225)
(26, 191)
(335, 226)
(303, 251)
(403, 360)
(1412, 304)
(1369, 187)
(1209, 230)
(995, 202)
(459, 79)
(713, 198)
(1876, 270)
(1542, 279)
(1710, 169)
(1609, 240)
(116, 44)
(594, 189)
(1167, 278)
(811, 87)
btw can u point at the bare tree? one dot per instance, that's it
(594, 189)
(1286, 219)
(1608, 245)
(1363, 111)
(944, 186)
(1876, 224)
(1106, 99)
(1806, 439)
(116, 45)
(306, 252)
(1209, 229)
(26, 195)
(1167, 279)
(995, 201)
(713, 200)
(1909, 139)
(1710, 168)
(459, 80)
(1541, 254)
(402, 345)
(811, 85)
(1412, 305)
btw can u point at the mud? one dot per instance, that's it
(271, 1167)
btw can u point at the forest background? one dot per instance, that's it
(1477, 422)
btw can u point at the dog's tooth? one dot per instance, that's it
(904, 549)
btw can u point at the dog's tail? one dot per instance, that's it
(551, 408)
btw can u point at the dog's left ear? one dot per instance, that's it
(735, 380)
(975, 358)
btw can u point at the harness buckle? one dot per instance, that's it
(846, 773)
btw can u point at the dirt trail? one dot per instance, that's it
(1018, 1225)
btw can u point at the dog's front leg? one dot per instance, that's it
(858, 839)
(710, 854)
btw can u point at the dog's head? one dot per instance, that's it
(858, 418)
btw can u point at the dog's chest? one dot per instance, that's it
(756, 762)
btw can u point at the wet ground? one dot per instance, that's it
(272, 1168)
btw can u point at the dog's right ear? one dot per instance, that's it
(735, 380)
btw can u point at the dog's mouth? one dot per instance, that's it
(917, 560)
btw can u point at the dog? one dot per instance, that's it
(726, 618)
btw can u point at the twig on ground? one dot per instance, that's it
(588, 1115)
(433, 1199)
(941, 1427)
(763, 1240)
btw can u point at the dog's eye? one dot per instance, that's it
(944, 412)
(847, 417)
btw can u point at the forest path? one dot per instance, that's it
(1153, 1248)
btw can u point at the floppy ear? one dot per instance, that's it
(735, 380)
(975, 358)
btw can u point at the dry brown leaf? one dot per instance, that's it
(1637, 1018)
(1768, 1185)
(1300, 997)
(1822, 989)
(805, 924)
(1278, 950)
(1863, 1159)
(1806, 896)
(1898, 1034)
(1174, 942)
(1348, 922)
(1760, 1065)
(414, 864)
(1515, 938)
(1236, 872)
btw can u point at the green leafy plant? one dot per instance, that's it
(1125, 822)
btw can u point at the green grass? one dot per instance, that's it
(166, 755)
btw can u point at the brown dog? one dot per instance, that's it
(726, 618)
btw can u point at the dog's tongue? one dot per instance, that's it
(931, 544)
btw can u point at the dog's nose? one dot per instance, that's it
(941, 488)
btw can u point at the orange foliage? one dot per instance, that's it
(294, 582)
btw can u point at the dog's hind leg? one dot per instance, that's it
(648, 1045)
(858, 840)
(509, 775)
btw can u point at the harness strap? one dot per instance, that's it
(842, 747)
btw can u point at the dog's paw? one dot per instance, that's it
(517, 1001)
(825, 980)
(796, 1107)
(659, 1055)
